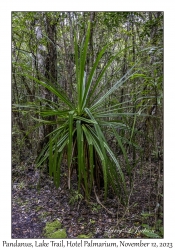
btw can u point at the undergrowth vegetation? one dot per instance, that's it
(87, 104)
(80, 126)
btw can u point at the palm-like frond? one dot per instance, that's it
(80, 126)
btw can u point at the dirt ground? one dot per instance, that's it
(35, 201)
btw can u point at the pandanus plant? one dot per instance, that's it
(80, 125)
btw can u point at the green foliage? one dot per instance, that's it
(85, 121)
(150, 234)
(80, 126)
(75, 198)
(96, 207)
(92, 111)
(155, 231)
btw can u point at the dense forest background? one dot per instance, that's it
(43, 50)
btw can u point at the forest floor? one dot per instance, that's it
(35, 204)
